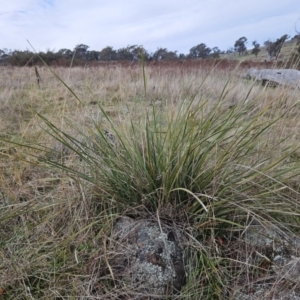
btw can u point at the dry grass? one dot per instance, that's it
(54, 226)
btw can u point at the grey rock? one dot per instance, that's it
(268, 292)
(285, 77)
(147, 259)
(261, 236)
(291, 270)
(110, 136)
(280, 248)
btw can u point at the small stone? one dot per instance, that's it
(110, 136)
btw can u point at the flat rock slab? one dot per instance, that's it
(285, 77)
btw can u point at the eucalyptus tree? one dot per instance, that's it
(256, 48)
(240, 46)
(164, 54)
(199, 51)
(274, 48)
(81, 51)
(107, 54)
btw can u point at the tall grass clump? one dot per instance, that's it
(208, 169)
(200, 164)
(193, 159)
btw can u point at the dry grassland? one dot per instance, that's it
(55, 225)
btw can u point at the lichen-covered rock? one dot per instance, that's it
(285, 77)
(148, 259)
(280, 251)
(291, 269)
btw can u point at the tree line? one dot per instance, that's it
(82, 54)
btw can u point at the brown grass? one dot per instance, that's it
(53, 227)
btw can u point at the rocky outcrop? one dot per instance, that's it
(274, 77)
(148, 257)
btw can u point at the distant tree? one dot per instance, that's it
(274, 48)
(159, 54)
(92, 55)
(139, 52)
(65, 53)
(215, 52)
(256, 49)
(124, 54)
(199, 51)
(132, 53)
(80, 51)
(21, 58)
(164, 54)
(108, 53)
(240, 46)
(171, 55)
(181, 56)
(269, 47)
(4, 57)
(48, 56)
(64, 56)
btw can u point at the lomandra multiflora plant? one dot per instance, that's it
(198, 164)
(204, 167)
(190, 158)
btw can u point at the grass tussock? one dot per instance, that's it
(202, 151)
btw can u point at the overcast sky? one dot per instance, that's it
(172, 24)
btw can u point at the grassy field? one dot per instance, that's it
(197, 146)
